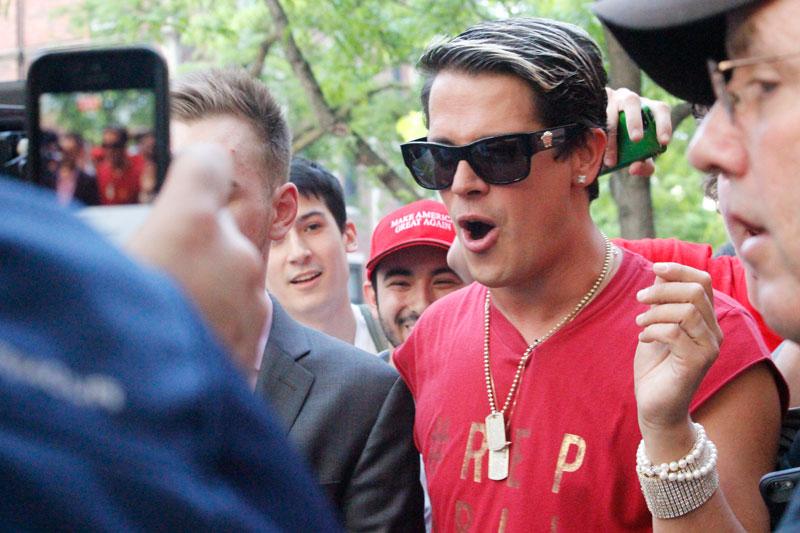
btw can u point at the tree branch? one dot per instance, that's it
(631, 193)
(300, 66)
(679, 113)
(306, 138)
(399, 187)
(329, 118)
(311, 134)
(258, 64)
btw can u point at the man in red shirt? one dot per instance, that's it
(118, 173)
(524, 383)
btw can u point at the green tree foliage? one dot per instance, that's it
(132, 108)
(362, 54)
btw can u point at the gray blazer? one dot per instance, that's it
(352, 417)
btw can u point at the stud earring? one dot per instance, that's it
(581, 179)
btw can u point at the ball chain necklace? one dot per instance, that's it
(495, 420)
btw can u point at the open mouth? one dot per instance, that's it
(479, 234)
(476, 229)
(305, 277)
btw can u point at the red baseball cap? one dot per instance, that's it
(420, 223)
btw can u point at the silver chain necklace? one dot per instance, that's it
(495, 420)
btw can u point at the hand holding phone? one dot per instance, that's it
(628, 151)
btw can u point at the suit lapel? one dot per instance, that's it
(282, 379)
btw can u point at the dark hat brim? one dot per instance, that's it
(671, 40)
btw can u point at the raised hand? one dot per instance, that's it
(191, 235)
(679, 342)
(630, 102)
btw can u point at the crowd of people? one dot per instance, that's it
(115, 172)
(513, 370)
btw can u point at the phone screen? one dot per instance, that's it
(99, 147)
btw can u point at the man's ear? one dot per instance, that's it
(350, 237)
(369, 294)
(284, 211)
(588, 157)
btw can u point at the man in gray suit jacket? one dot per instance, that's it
(352, 417)
(349, 413)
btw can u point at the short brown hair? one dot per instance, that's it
(234, 92)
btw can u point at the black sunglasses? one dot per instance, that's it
(497, 160)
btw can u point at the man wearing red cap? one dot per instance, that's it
(407, 270)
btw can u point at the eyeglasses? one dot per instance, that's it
(497, 160)
(720, 73)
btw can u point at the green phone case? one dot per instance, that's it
(629, 151)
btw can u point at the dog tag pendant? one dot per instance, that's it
(495, 431)
(498, 464)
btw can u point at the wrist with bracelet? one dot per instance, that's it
(677, 488)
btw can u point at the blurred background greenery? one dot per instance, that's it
(345, 72)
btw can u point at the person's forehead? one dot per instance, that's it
(309, 205)
(231, 132)
(770, 28)
(464, 107)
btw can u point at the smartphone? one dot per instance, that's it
(776, 489)
(628, 151)
(98, 124)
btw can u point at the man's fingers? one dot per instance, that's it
(679, 341)
(676, 272)
(631, 104)
(687, 317)
(680, 293)
(662, 114)
(643, 169)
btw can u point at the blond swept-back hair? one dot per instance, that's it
(211, 92)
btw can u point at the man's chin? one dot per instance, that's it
(778, 300)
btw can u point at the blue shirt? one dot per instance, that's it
(119, 410)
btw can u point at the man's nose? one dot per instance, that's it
(422, 297)
(299, 252)
(466, 182)
(718, 146)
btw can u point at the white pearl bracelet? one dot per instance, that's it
(677, 488)
(677, 470)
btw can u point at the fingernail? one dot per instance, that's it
(663, 139)
(660, 268)
(641, 294)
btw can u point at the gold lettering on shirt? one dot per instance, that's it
(503, 521)
(463, 516)
(439, 437)
(474, 454)
(554, 524)
(564, 466)
(516, 455)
